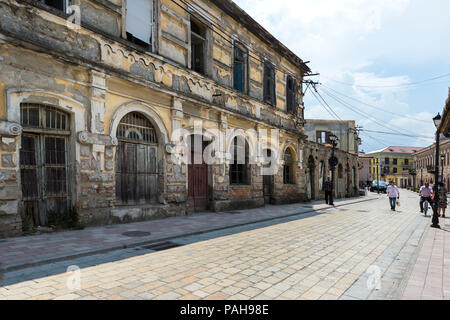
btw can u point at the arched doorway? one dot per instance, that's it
(198, 199)
(136, 161)
(310, 190)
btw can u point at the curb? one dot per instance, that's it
(15, 267)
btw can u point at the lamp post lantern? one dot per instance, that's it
(333, 162)
(435, 220)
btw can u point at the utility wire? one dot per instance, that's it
(324, 102)
(324, 106)
(363, 114)
(229, 35)
(397, 134)
(375, 107)
(392, 86)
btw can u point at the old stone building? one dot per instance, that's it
(425, 162)
(100, 99)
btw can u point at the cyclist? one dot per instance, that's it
(425, 193)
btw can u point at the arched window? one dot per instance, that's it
(239, 167)
(288, 168)
(136, 160)
(43, 161)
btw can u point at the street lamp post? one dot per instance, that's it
(435, 220)
(333, 162)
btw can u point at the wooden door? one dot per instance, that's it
(136, 173)
(198, 186)
(197, 179)
(43, 169)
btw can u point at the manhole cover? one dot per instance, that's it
(136, 234)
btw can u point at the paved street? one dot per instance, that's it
(326, 254)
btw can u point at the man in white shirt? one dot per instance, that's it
(393, 194)
(425, 193)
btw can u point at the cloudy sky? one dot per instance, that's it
(373, 57)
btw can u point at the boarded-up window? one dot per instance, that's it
(140, 21)
(136, 160)
(43, 161)
(288, 168)
(291, 96)
(240, 167)
(269, 83)
(240, 68)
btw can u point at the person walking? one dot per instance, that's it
(328, 187)
(442, 203)
(393, 194)
(425, 193)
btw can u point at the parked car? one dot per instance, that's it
(378, 184)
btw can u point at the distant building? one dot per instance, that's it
(364, 163)
(425, 161)
(393, 163)
(320, 130)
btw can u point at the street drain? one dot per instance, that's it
(136, 234)
(162, 246)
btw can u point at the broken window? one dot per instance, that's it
(43, 161)
(57, 4)
(288, 168)
(198, 41)
(269, 83)
(240, 68)
(136, 160)
(291, 96)
(240, 167)
(139, 22)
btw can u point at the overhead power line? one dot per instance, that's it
(229, 36)
(392, 86)
(375, 107)
(363, 114)
(398, 134)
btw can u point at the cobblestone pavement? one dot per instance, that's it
(321, 255)
(430, 276)
(20, 251)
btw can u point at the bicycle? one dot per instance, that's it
(425, 207)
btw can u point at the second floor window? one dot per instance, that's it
(198, 41)
(395, 161)
(240, 68)
(406, 161)
(291, 97)
(386, 160)
(139, 22)
(57, 4)
(269, 83)
(322, 137)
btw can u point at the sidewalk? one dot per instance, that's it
(21, 252)
(430, 276)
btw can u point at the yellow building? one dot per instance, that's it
(392, 163)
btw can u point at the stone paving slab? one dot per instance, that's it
(430, 275)
(20, 252)
(318, 256)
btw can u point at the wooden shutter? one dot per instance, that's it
(139, 19)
